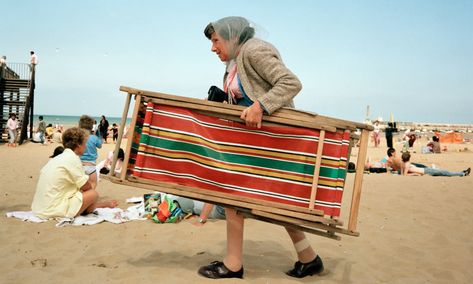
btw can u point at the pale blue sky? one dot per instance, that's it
(412, 58)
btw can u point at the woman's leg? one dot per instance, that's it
(89, 198)
(304, 250)
(10, 140)
(233, 260)
(309, 262)
(89, 202)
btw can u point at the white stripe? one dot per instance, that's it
(230, 171)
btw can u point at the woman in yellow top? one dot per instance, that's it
(63, 189)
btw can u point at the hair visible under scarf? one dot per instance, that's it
(236, 30)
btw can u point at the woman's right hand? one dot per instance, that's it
(253, 115)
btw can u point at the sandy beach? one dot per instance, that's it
(412, 230)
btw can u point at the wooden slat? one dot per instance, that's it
(318, 162)
(234, 114)
(299, 222)
(286, 113)
(356, 195)
(130, 139)
(120, 136)
(276, 220)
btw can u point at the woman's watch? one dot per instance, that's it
(202, 221)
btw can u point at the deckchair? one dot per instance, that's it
(290, 172)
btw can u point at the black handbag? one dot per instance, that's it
(217, 95)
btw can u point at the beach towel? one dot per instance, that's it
(112, 215)
(28, 216)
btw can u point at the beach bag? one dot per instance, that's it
(217, 95)
(162, 209)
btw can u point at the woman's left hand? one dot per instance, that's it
(253, 115)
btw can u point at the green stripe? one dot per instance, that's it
(239, 159)
(332, 173)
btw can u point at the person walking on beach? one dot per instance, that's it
(389, 133)
(376, 134)
(103, 128)
(114, 132)
(257, 78)
(41, 129)
(12, 125)
(63, 188)
(95, 128)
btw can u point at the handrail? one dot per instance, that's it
(17, 71)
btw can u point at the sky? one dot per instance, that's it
(411, 58)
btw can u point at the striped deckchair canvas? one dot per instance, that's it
(274, 163)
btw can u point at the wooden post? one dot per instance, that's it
(130, 138)
(318, 162)
(360, 167)
(120, 134)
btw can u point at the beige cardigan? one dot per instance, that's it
(264, 76)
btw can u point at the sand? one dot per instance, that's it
(412, 230)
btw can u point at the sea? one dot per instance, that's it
(70, 120)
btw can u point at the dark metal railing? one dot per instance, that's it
(16, 71)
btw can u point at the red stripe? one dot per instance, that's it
(231, 178)
(230, 136)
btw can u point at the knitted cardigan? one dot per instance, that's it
(264, 76)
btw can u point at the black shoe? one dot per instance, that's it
(217, 270)
(467, 172)
(301, 270)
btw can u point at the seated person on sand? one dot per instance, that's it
(57, 136)
(63, 189)
(409, 169)
(49, 132)
(433, 146)
(105, 166)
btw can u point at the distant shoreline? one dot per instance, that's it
(72, 120)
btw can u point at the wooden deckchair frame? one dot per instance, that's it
(307, 219)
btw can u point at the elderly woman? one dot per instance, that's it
(257, 78)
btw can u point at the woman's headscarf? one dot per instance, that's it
(236, 30)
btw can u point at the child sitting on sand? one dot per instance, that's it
(105, 166)
(64, 189)
(89, 157)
